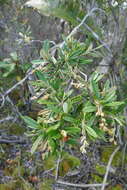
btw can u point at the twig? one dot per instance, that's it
(14, 107)
(39, 95)
(79, 185)
(38, 41)
(86, 78)
(57, 167)
(5, 141)
(97, 37)
(58, 161)
(4, 95)
(6, 119)
(75, 30)
(108, 167)
(48, 171)
(30, 72)
(124, 154)
(2, 100)
(18, 84)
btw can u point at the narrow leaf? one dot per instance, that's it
(70, 119)
(53, 128)
(91, 131)
(114, 104)
(73, 130)
(41, 76)
(95, 89)
(65, 107)
(35, 144)
(30, 122)
(88, 109)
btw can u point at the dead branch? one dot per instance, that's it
(6, 119)
(79, 185)
(30, 72)
(108, 167)
(5, 141)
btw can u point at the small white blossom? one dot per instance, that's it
(84, 145)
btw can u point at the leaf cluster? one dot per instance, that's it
(72, 107)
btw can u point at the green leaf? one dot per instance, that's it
(35, 144)
(54, 109)
(52, 144)
(70, 119)
(14, 56)
(41, 76)
(95, 89)
(65, 107)
(119, 120)
(73, 130)
(53, 128)
(76, 99)
(55, 134)
(37, 61)
(114, 104)
(100, 76)
(94, 76)
(55, 84)
(89, 108)
(100, 134)
(46, 102)
(91, 120)
(30, 122)
(85, 61)
(68, 93)
(67, 10)
(107, 85)
(72, 142)
(111, 95)
(91, 131)
(8, 68)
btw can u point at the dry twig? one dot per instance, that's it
(76, 29)
(30, 72)
(57, 167)
(108, 167)
(6, 119)
(6, 141)
(79, 185)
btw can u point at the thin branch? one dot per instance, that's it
(30, 72)
(48, 171)
(79, 185)
(75, 30)
(5, 141)
(97, 38)
(124, 155)
(57, 167)
(59, 160)
(2, 100)
(39, 95)
(18, 84)
(38, 41)
(108, 167)
(6, 119)
(14, 107)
